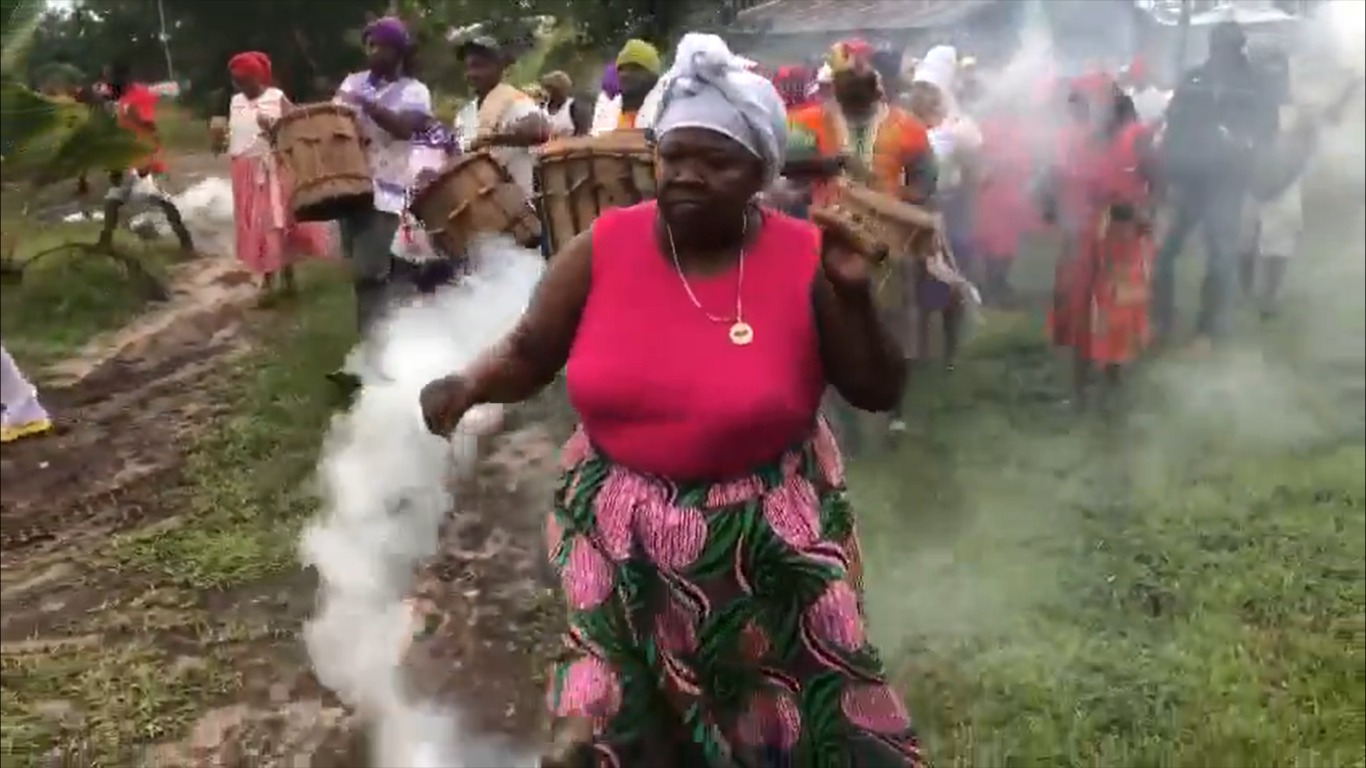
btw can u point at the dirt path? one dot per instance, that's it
(128, 406)
(125, 407)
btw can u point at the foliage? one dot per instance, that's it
(314, 46)
(46, 139)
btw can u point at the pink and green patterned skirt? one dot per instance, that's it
(719, 624)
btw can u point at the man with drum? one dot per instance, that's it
(501, 118)
(393, 107)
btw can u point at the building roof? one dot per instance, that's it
(794, 17)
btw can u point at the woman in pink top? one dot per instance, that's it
(702, 535)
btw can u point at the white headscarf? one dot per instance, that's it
(959, 132)
(710, 87)
(940, 69)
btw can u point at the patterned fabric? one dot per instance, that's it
(897, 148)
(1100, 293)
(850, 55)
(388, 156)
(719, 624)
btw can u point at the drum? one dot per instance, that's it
(884, 228)
(880, 225)
(321, 147)
(474, 194)
(578, 178)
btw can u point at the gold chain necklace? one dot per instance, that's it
(741, 334)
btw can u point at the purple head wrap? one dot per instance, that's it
(389, 32)
(610, 84)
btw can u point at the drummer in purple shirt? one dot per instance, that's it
(394, 107)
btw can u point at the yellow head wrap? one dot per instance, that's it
(641, 54)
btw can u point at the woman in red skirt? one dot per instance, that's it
(1100, 291)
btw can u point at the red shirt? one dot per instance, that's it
(660, 388)
(135, 109)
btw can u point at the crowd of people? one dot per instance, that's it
(703, 537)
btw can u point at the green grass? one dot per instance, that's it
(159, 658)
(249, 480)
(68, 297)
(1183, 584)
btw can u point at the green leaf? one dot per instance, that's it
(719, 636)
(724, 529)
(17, 24)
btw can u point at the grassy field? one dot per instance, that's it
(1181, 584)
(1178, 585)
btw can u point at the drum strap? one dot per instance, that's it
(494, 106)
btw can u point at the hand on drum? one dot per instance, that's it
(444, 402)
(847, 258)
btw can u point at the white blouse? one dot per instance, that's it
(244, 132)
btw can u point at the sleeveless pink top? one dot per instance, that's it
(660, 388)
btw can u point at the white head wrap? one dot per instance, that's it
(958, 131)
(710, 87)
(938, 68)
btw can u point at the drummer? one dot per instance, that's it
(394, 107)
(638, 68)
(565, 113)
(877, 143)
(501, 118)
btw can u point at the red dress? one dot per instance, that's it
(1100, 291)
(1003, 198)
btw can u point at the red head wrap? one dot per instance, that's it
(251, 64)
(793, 84)
(853, 54)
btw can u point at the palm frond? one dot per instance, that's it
(96, 142)
(48, 141)
(44, 139)
(18, 21)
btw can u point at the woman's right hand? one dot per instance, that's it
(444, 402)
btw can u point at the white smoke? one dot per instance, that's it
(386, 484)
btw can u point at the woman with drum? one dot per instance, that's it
(393, 106)
(702, 534)
(266, 237)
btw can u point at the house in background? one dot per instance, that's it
(800, 29)
(1084, 33)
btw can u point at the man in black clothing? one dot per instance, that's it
(1219, 118)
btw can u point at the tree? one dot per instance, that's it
(46, 140)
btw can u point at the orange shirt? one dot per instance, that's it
(135, 109)
(626, 121)
(901, 142)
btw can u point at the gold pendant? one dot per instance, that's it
(741, 334)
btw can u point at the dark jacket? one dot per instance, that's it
(1220, 117)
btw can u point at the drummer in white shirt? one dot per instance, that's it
(501, 118)
(567, 116)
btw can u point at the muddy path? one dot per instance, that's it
(124, 408)
(127, 407)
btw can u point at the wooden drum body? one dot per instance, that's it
(475, 194)
(578, 178)
(885, 228)
(321, 146)
(882, 223)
